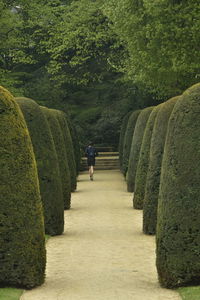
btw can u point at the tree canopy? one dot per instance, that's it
(162, 39)
(108, 56)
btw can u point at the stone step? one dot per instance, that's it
(104, 149)
(105, 168)
(100, 168)
(108, 154)
(102, 160)
(102, 163)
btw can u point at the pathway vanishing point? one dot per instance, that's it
(103, 254)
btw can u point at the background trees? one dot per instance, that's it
(158, 36)
(98, 60)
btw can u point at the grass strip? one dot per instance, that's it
(190, 293)
(10, 293)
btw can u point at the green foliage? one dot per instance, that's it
(47, 164)
(22, 240)
(178, 223)
(65, 56)
(122, 136)
(107, 128)
(128, 140)
(56, 200)
(81, 44)
(9, 26)
(76, 144)
(62, 158)
(162, 39)
(101, 56)
(143, 161)
(154, 169)
(62, 119)
(135, 147)
(89, 116)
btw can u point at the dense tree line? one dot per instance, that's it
(99, 59)
(162, 39)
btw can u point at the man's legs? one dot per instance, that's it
(91, 171)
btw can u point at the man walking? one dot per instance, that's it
(91, 153)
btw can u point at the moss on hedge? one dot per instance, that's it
(121, 138)
(61, 116)
(47, 164)
(178, 227)
(62, 156)
(22, 239)
(135, 147)
(128, 139)
(154, 169)
(143, 162)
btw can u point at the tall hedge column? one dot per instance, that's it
(128, 140)
(75, 143)
(69, 147)
(62, 155)
(121, 138)
(143, 162)
(22, 240)
(47, 165)
(135, 147)
(178, 227)
(154, 169)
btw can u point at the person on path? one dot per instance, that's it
(91, 153)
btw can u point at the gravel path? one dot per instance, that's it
(103, 254)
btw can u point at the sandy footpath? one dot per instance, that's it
(103, 254)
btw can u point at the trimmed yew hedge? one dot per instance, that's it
(128, 139)
(154, 170)
(143, 162)
(178, 227)
(62, 155)
(61, 116)
(22, 239)
(121, 138)
(47, 165)
(135, 147)
(76, 145)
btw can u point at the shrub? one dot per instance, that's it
(47, 164)
(143, 162)
(121, 138)
(109, 124)
(128, 139)
(22, 240)
(178, 227)
(76, 144)
(154, 169)
(62, 156)
(135, 147)
(61, 116)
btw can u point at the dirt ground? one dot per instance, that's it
(103, 254)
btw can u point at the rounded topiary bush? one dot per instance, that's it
(178, 223)
(62, 155)
(143, 162)
(154, 169)
(128, 139)
(135, 147)
(47, 165)
(69, 147)
(22, 240)
(76, 144)
(121, 138)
